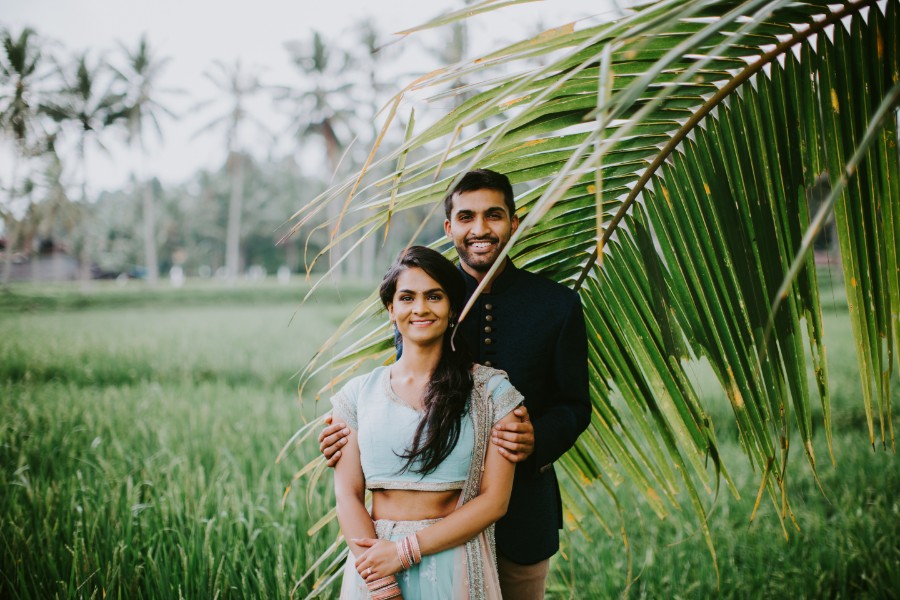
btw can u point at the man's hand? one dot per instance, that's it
(515, 441)
(332, 438)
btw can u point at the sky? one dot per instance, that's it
(194, 33)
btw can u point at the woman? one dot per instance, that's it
(419, 433)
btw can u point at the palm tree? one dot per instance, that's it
(87, 103)
(662, 163)
(237, 86)
(140, 74)
(323, 106)
(19, 64)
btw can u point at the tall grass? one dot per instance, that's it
(138, 440)
(845, 544)
(138, 435)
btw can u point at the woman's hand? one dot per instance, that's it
(379, 560)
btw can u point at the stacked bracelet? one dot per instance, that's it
(383, 588)
(408, 551)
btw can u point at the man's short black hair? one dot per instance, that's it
(482, 179)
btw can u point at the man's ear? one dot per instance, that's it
(447, 227)
(514, 223)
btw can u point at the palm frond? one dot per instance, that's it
(686, 138)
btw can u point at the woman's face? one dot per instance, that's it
(420, 308)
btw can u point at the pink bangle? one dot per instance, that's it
(404, 565)
(408, 551)
(391, 590)
(414, 548)
(380, 583)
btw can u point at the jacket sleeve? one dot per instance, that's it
(569, 413)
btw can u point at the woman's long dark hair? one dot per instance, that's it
(447, 393)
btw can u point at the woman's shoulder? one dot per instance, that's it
(365, 379)
(347, 399)
(494, 384)
(355, 386)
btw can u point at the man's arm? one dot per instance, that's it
(332, 439)
(569, 414)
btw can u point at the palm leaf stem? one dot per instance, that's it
(707, 107)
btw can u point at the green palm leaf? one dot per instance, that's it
(692, 133)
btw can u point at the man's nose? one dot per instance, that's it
(479, 226)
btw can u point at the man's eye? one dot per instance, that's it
(405, 298)
(435, 297)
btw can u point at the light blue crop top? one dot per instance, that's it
(385, 426)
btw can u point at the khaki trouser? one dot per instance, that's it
(522, 582)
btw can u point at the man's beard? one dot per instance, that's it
(480, 262)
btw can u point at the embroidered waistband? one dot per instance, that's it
(385, 529)
(417, 486)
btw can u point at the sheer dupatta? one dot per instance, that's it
(477, 565)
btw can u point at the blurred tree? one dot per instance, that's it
(237, 85)
(323, 105)
(140, 75)
(19, 63)
(86, 102)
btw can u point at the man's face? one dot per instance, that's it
(480, 226)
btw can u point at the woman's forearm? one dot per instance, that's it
(350, 494)
(463, 524)
(355, 521)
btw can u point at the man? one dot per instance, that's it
(533, 329)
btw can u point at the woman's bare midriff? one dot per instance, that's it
(409, 505)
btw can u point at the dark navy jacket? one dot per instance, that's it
(533, 329)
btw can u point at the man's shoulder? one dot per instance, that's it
(540, 284)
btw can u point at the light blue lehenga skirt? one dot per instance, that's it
(437, 577)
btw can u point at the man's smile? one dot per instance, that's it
(481, 245)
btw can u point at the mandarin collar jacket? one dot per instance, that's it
(533, 328)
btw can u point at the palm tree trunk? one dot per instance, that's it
(86, 250)
(9, 222)
(235, 206)
(150, 256)
(367, 268)
(11, 227)
(291, 254)
(332, 148)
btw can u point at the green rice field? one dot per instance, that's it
(139, 431)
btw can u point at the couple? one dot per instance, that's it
(439, 436)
